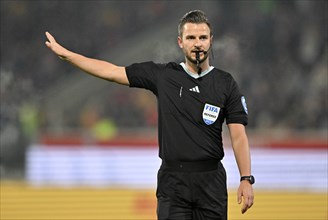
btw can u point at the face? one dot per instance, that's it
(195, 37)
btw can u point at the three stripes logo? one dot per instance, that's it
(195, 89)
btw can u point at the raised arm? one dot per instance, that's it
(98, 68)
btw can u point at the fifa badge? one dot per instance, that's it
(210, 113)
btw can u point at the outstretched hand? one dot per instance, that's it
(245, 193)
(59, 50)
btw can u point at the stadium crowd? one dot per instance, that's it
(277, 51)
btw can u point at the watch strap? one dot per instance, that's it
(250, 178)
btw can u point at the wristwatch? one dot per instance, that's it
(250, 179)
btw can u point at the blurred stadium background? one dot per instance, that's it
(76, 147)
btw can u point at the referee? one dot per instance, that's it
(194, 99)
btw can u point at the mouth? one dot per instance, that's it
(197, 51)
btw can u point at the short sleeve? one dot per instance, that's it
(144, 75)
(236, 107)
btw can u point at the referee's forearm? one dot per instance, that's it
(95, 67)
(242, 155)
(240, 147)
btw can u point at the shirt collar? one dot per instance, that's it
(196, 76)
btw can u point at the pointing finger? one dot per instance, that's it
(50, 37)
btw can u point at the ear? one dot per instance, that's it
(180, 42)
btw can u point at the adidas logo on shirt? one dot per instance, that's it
(195, 89)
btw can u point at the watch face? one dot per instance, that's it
(251, 179)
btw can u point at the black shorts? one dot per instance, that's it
(184, 194)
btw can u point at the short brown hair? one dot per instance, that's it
(195, 17)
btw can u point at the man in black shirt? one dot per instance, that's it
(194, 99)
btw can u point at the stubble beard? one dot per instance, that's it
(194, 61)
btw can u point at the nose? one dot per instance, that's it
(197, 43)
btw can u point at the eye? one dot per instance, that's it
(204, 37)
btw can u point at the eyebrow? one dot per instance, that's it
(193, 36)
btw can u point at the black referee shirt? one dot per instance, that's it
(190, 111)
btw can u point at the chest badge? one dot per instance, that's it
(210, 113)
